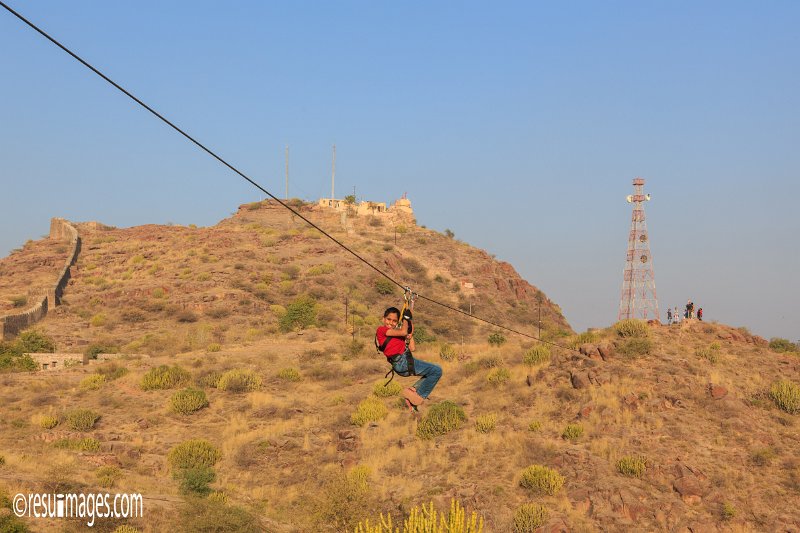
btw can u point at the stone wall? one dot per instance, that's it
(11, 325)
(57, 361)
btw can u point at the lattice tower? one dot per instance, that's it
(638, 298)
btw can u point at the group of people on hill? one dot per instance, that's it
(674, 318)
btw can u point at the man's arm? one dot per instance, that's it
(401, 332)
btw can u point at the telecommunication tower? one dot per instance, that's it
(638, 298)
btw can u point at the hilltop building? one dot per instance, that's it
(401, 206)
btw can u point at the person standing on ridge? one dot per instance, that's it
(700, 314)
(669, 316)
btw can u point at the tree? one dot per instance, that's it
(449, 233)
(350, 199)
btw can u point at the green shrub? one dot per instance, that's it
(195, 480)
(777, 344)
(289, 374)
(497, 338)
(635, 347)
(572, 432)
(165, 377)
(709, 354)
(93, 382)
(486, 423)
(94, 349)
(10, 361)
(318, 270)
(421, 334)
(19, 301)
(583, 338)
(447, 352)
(441, 418)
(762, 456)
(728, 511)
(239, 380)
(301, 314)
(209, 379)
(343, 500)
(538, 355)
(34, 341)
(529, 517)
(353, 348)
(82, 445)
(214, 347)
(188, 401)
(392, 389)
(370, 410)
(632, 465)
(631, 328)
(112, 371)
(786, 396)
(98, 320)
(535, 426)
(541, 480)
(193, 453)
(212, 514)
(48, 421)
(498, 376)
(2, 460)
(107, 476)
(384, 286)
(81, 419)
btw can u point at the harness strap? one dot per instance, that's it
(409, 359)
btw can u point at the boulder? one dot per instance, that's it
(580, 380)
(606, 350)
(717, 391)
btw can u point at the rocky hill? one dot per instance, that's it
(166, 289)
(690, 427)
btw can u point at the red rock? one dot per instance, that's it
(690, 489)
(717, 391)
(585, 411)
(606, 350)
(579, 380)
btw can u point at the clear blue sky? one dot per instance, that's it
(517, 125)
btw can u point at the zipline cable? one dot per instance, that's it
(252, 182)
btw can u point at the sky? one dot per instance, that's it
(519, 126)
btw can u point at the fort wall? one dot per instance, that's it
(11, 325)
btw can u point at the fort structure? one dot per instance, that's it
(12, 324)
(363, 208)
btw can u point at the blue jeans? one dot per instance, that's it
(429, 373)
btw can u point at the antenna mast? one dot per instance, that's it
(287, 171)
(638, 299)
(333, 172)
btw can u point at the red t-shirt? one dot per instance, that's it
(395, 346)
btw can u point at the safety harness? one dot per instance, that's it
(408, 304)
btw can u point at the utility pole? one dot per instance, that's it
(287, 172)
(539, 301)
(333, 173)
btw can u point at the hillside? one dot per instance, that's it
(653, 428)
(164, 289)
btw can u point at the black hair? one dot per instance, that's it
(390, 311)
